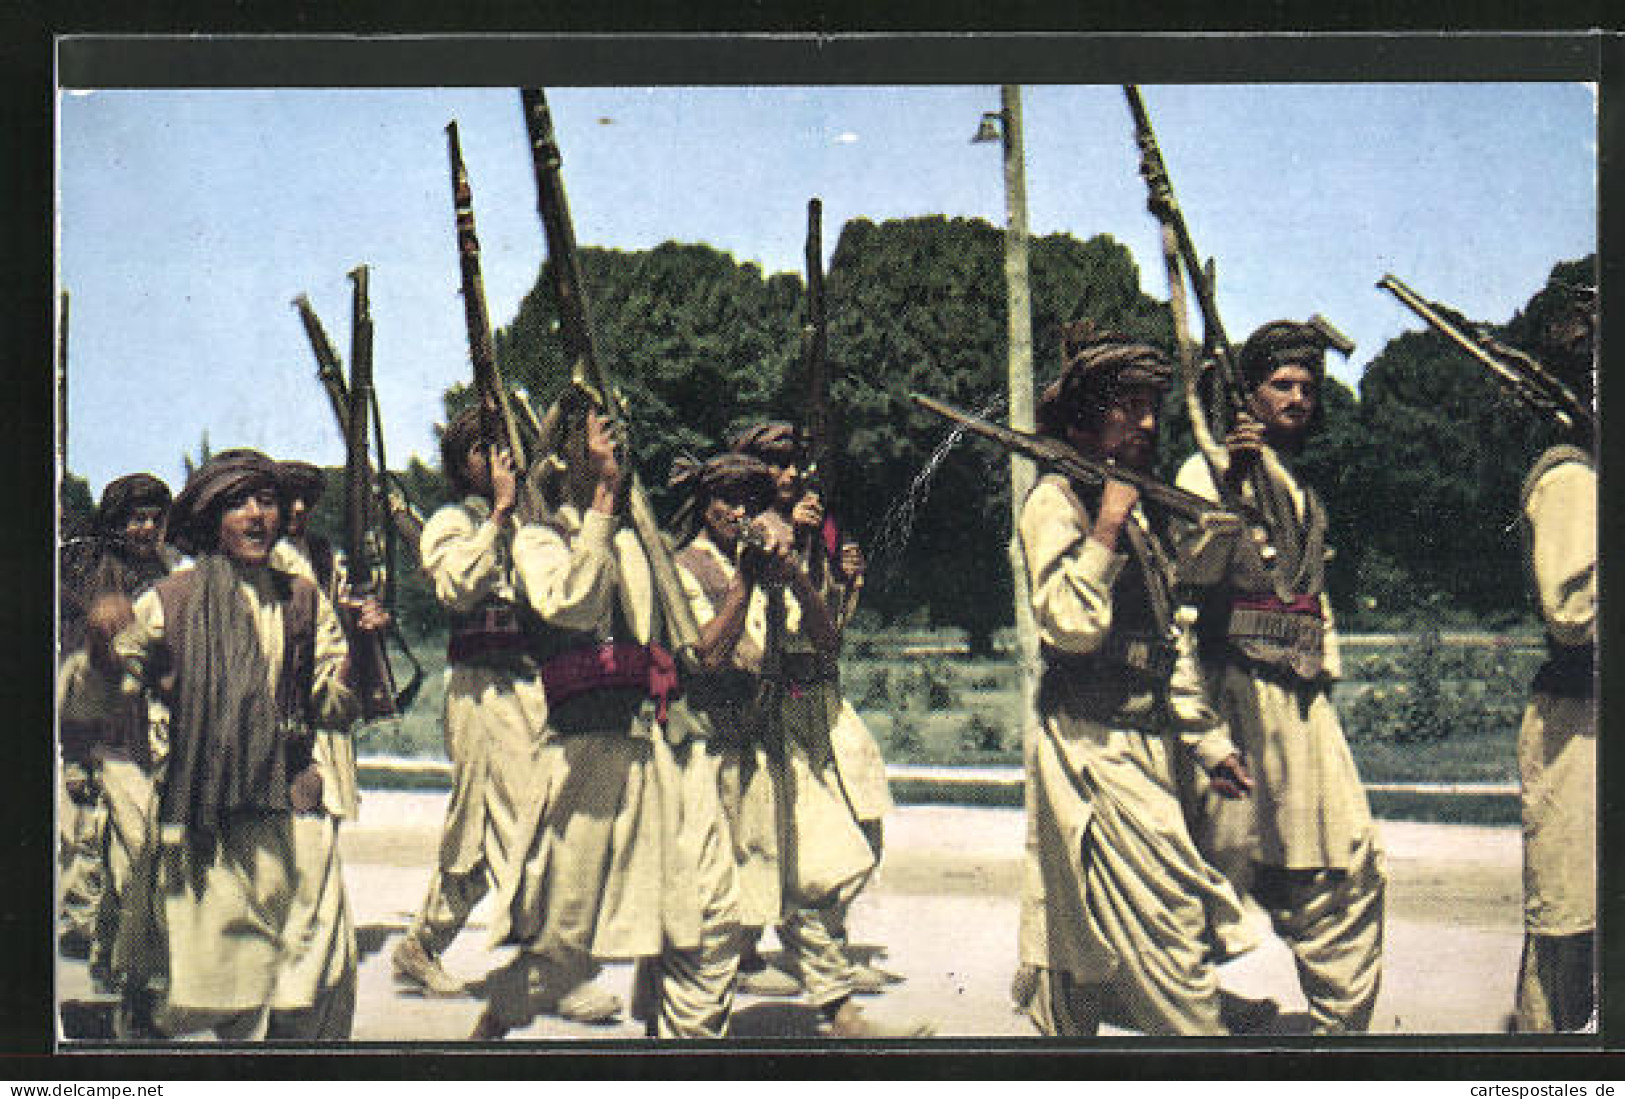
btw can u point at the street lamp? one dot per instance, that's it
(1006, 124)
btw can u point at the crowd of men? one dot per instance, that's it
(613, 802)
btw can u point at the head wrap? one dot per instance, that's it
(736, 476)
(1283, 343)
(124, 495)
(1093, 367)
(195, 518)
(301, 481)
(460, 436)
(776, 443)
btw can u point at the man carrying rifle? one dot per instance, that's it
(495, 726)
(1122, 918)
(628, 856)
(248, 660)
(111, 763)
(1557, 743)
(768, 643)
(316, 992)
(857, 756)
(1270, 655)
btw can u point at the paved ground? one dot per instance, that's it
(944, 906)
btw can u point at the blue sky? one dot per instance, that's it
(189, 220)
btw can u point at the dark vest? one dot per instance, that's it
(298, 597)
(1570, 671)
(123, 734)
(1124, 683)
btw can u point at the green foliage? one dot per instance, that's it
(1420, 473)
(1429, 691)
(981, 736)
(700, 346)
(919, 306)
(76, 504)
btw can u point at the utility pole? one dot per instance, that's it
(1020, 383)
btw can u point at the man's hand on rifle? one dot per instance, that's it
(775, 561)
(604, 463)
(504, 485)
(1230, 777)
(1244, 442)
(366, 612)
(853, 563)
(808, 513)
(1117, 499)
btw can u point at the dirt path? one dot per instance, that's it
(944, 905)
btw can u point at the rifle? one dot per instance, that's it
(815, 347)
(576, 329)
(1280, 517)
(1054, 455)
(496, 416)
(405, 517)
(406, 521)
(376, 683)
(1519, 373)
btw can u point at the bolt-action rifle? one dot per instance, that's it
(577, 332)
(1520, 374)
(1284, 548)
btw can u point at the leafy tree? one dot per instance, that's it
(1442, 456)
(920, 306)
(699, 344)
(76, 505)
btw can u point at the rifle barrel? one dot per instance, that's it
(1528, 380)
(564, 262)
(487, 378)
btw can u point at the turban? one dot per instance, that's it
(776, 443)
(195, 518)
(124, 495)
(731, 475)
(1282, 343)
(1092, 367)
(734, 476)
(301, 481)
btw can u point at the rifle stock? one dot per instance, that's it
(576, 329)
